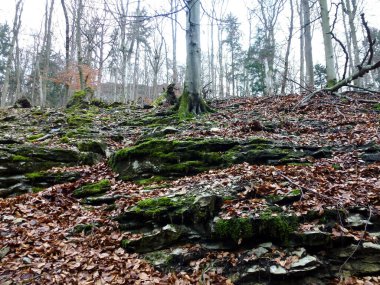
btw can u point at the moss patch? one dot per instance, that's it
(277, 227)
(92, 189)
(18, 157)
(235, 229)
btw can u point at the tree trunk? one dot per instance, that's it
(8, 69)
(308, 45)
(173, 4)
(286, 67)
(191, 101)
(329, 51)
(302, 48)
(351, 11)
(67, 51)
(79, 45)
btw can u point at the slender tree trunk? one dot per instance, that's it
(173, 4)
(8, 69)
(329, 51)
(79, 45)
(286, 67)
(67, 51)
(220, 58)
(302, 47)
(308, 45)
(351, 8)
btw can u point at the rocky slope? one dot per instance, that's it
(255, 193)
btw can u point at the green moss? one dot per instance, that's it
(155, 202)
(151, 180)
(34, 137)
(20, 158)
(183, 109)
(79, 120)
(35, 175)
(234, 229)
(337, 166)
(376, 107)
(300, 164)
(65, 139)
(92, 189)
(277, 226)
(37, 189)
(125, 243)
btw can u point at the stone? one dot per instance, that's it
(163, 238)
(315, 238)
(169, 130)
(4, 251)
(306, 261)
(357, 221)
(277, 270)
(259, 251)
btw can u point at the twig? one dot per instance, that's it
(305, 188)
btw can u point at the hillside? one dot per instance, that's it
(260, 192)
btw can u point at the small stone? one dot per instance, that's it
(306, 261)
(357, 220)
(266, 245)
(299, 252)
(371, 245)
(169, 130)
(4, 251)
(259, 251)
(26, 260)
(214, 130)
(277, 270)
(255, 269)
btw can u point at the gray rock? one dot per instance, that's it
(357, 221)
(306, 261)
(155, 241)
(277, 270)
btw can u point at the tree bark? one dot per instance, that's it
(67, 51)
(329, 51)
(15, 30)
(191, 101)
(308, 45)
(79, 44)
(286, 67)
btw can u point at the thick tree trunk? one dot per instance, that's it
(191, 101)
(329, 51)
(308, 46)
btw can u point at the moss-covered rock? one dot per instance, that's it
(235, 229)
(94, 146)
(188, 210)
(165, 158)
(93, 189)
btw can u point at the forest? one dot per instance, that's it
(190, 142)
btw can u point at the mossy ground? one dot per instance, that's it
(235, 229)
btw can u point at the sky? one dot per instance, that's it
(34, 12)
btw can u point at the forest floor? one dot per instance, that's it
(38, 240)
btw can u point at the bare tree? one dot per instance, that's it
(329, 51)
(15, 32)
(191, 101)
(308, 45)
(268, 15)
(286, 66)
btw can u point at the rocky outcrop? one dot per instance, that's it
(165, 158)
(22, 167)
